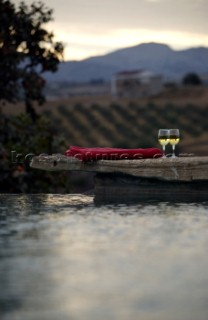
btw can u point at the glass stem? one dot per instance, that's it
(173, 146)
(163, 150)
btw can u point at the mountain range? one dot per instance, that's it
(155, 57)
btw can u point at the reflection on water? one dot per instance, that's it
(61, 257)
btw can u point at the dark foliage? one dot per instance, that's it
(20, 139)
(192, 79)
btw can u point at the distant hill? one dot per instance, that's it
(155, 57)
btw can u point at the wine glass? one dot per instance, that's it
(174, 139)
(163, 138)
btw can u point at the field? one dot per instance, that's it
(102, 121)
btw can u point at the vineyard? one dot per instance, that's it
(131, 126)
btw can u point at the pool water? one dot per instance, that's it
(63, 257)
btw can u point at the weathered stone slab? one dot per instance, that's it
(166, 169)
(163, 179)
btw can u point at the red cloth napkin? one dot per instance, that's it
(93, 154)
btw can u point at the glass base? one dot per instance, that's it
(173, 156)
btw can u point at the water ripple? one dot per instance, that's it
(63, 257)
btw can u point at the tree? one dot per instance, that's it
(27, 50)
(191, 79)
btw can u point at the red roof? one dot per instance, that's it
(129, 72)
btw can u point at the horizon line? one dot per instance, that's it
(137, 45)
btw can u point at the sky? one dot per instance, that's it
(96, 27)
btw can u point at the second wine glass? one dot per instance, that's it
(174, 139)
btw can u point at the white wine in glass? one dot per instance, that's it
(163, 138)
(174, 139)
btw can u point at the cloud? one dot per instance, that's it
(99, 15)
(96, 26)
(153, 0)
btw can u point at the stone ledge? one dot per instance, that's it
(166, 169)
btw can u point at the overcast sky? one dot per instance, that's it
(92, 27)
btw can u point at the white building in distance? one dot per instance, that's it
(136, 84)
